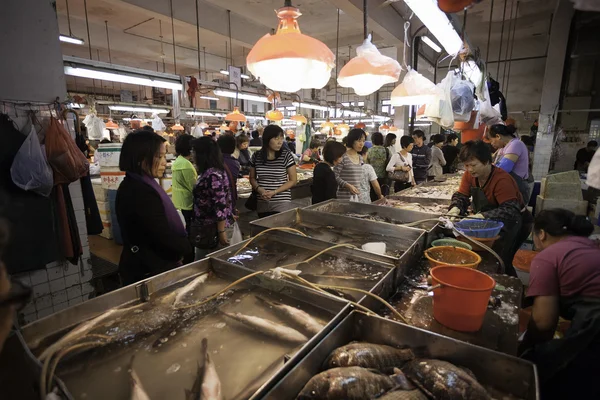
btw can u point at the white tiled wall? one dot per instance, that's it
(61, 284)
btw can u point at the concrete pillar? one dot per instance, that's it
(553, 76)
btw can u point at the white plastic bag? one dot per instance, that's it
(439, 109)
(157, 123)
(488, 114)
(355, 198)
(197, 131)
(30, 170)
(95, 127)
(463, 100)
(237, 234)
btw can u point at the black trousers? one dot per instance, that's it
(188, 215)
(398, 186)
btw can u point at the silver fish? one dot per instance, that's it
(181, 293)
(269, 328)
(298, 317)
(137, 390)
(211, 384)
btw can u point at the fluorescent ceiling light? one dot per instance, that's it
(431, 44)
(438, 24)
(353, 104)
(70, 39)
(139, 109)
(387, 102)
(209, 98)
(422, 124)
(200, 113)
(75, 105)
(243, 96)
(116, 77)
(243, 76)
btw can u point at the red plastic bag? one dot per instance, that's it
(67, 161)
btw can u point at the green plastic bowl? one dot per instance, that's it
(451, 242)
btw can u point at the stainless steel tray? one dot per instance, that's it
(421, 200)
(276, 249)
(288, 293)
(336, 229)
(506, 373)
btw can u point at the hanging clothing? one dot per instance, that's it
(93, 221)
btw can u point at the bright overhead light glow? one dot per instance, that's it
(75, 105)
(386, 102)
(139, 109)
(243, 76)
(209, 98)
(70, 39)
(415, 89)
(200, 113)
(115, 77)
(431, 44)
(243, 96)
(311, 106)
(354, 104)
(224, 72)
(289, 60)
(438, 24)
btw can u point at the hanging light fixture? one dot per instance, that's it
(110, 124)
(289, 60)
(328, 125)
(392, 129)
(224, 127)
(299, 118)
(177, 127)
(360, 125)
(384, 127)
(415, 89)
(70, 38)
(274, 115)
(454, 6)
(235, 115)
(344, 127)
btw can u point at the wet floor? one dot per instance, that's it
(167, 347)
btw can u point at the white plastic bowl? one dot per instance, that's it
(375, 247)
(523, 276)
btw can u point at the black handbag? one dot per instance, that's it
(204, 236)
(399, 176)
(252, 201)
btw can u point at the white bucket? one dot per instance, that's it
(375, 247)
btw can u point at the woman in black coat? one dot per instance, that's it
(154, 237)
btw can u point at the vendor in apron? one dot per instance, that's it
(492, 194)
(564, 281)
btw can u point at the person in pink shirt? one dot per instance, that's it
(564, 281)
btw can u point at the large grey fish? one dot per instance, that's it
(415, 394)
(269, 328)
(445, 381)
(350, 383)
(207, 385)
(368, 355)
(300, 318)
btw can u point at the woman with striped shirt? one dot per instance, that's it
(273, 174)
(348, 173)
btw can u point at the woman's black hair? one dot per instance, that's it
(255, 135)
(315, 144)
(389, 138)
(561, 222)
(377, 138)
(270, 132)
(227, 144)
(451, 137)
(405, 141)
(437, 138)
(502, 130)
(528, 140)
(476, 149)
(333, 150)
(183, 145)
(418, 133)
(207, 154)
(240, 140)
(353, 136)
(139, 150)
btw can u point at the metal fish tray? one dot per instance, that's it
(298, 248)
(403, 245)
(330, 310)
(508, 374)
(388, 215)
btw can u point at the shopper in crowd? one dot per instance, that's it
(495, 196)
(400, 166)
(154, 237)
(213, 207)
(348, 172)
(242, 154)
(256, 140)
(291, 142)
(312, 154)
(324, 186)
(584, 156)
(273, 174)
(512, 156)
(227, 144)
(421, 156)
(450, 153)
(369, 182)
(379, 156)
(564, 281)
(390, 142)
(437, 157)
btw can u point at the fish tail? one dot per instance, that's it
(267, 302)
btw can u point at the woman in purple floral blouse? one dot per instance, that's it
(213, 211)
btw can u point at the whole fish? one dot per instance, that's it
(415, 394)
(350, 383)
(211, 384)
(137, 390)
(298, 317)
(269, 328)
(369, 355)
(180, 293)
(442, 380)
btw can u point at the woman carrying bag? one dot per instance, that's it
(400, 166)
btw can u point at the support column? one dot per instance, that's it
(553, 76)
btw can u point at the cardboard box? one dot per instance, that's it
(579, 207)
(111, 177)
(107, 232)
(565, 185)
(100, 193)
(104, 208)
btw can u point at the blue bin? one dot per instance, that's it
(114, 222)
(479, 228)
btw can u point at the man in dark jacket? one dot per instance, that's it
(256, 140)
(421, 155)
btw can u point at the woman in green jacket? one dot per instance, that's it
(184, 179)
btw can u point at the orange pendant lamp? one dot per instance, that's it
(299, 118)
(454, 6)
(177, 127)
(289, 60)
(360, 125)
(328, 125)
(110, 124)
(235, 115)
(343, 127)
(384, 127)
(274, 115)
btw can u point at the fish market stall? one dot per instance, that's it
(301, 190)
(401, 243)
(369, 356)
(434, 207)
(182, 332)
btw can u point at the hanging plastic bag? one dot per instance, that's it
(237, 234)
(157, 123)
(67, 161)
(463, 100)
(95, 127)
(439, 109)
(197, 131)
(30, 170)
(355, 198)
(488, 114)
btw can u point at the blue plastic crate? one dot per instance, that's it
(479, 228)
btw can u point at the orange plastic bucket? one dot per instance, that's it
(452, 256)
(460, 302)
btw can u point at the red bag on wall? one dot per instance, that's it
(67, 161)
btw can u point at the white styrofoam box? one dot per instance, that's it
(57, 285)
(100, 193)
(45, 312)
(42, 302)
(107, 232)
(41, 289)
(104, 208)
(111, 177)
(74, 291)
(108, 154)
(59, 297)
(55, 272)
(75, 300)
(167, 185)
(38, 276)
(61, 306)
